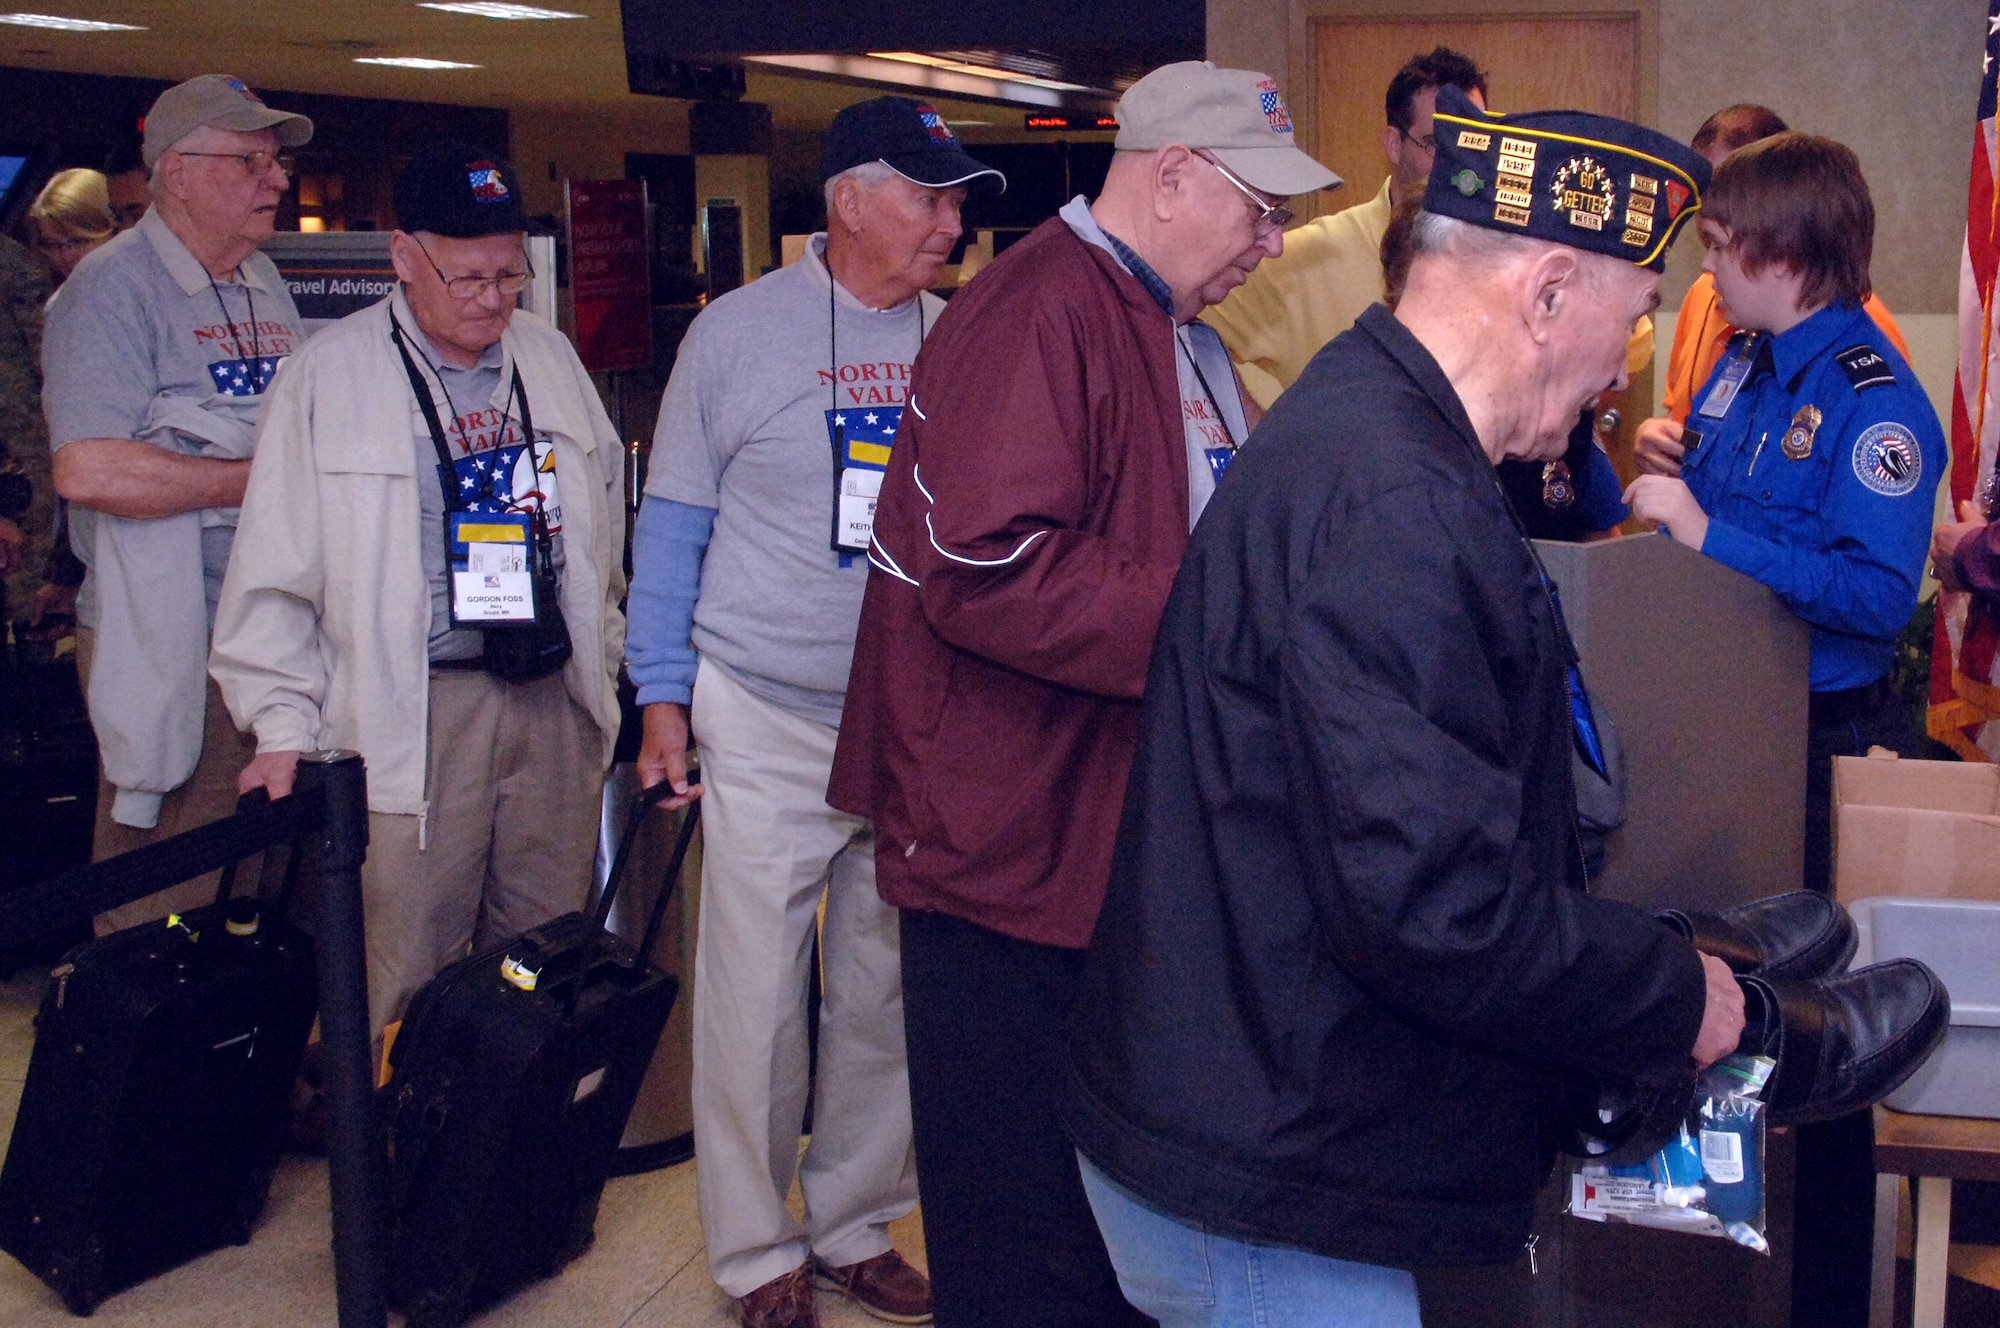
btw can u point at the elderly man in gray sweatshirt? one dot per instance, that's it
(155, 360)
(750, 558)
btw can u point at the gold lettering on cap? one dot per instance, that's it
(1517, 147)
(1513, 216)
(1522, 166)
(1474, 141)
(1645, 184)
(1582, 189)
(1514, 196)
(1640, 203)
(1638, 220)
(1638, 238)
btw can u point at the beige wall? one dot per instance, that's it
(1895, 81)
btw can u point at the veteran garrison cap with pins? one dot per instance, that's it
(1589, 181)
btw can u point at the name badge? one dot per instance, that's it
(1734, 373)
(491, 579)
(862, 443)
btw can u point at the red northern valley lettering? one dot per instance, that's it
(883, 371)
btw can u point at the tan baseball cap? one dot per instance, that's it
(1235, 114)
(220, 100)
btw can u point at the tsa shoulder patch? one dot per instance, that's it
(1888, 460)
(1865, 367)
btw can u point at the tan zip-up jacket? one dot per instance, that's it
(321, 640)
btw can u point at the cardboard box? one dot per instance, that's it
(1960, 940)
(1920, 829)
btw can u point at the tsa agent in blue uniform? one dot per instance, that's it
(1815, 469)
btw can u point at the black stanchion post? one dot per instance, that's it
(353, 1155)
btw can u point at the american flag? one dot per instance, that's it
(486, 479)
(1273, 107)
(940, 131)
(868, 432)
(1965, 657)
(245, 377)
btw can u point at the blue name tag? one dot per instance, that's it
(1716, 405)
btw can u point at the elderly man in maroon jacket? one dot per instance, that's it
(1068, 419)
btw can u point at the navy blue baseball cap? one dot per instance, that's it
(1588, 181)
(910, 138)
(460, 191)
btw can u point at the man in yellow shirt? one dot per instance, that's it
(1331, 268)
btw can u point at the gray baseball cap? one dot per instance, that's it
(220, 100)
(1234, 114)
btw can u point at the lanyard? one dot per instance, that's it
(1207, 391)
(256, 346)
(515, 394)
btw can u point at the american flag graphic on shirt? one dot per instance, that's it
(247, 377)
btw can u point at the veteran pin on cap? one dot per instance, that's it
(1235, 114)
(1588, 181)
(460, 191)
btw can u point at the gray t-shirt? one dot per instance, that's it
(746, 428)
(142, 318)
(493, 471)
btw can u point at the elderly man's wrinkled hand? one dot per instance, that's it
(1657, 445)
(663, 749)
(1721, 1014)
(1670, 503)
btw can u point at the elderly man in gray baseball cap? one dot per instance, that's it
(1070, 420)
(155, 362)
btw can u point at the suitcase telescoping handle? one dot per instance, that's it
(280, 904)
(643, 803)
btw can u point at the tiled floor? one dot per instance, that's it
(647, 1269)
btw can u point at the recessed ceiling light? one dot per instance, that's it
(67, 24)
(494, 9)
(413, 62)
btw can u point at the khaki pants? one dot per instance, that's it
(772, 851)
(514, 779)
(208, 795)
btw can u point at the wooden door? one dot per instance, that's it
(1580, 62)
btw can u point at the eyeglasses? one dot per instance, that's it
(508, 284)
(1426, 143)
(1270, 216)
(255, 163)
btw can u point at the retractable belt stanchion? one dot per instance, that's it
(330, 802)
(354, 1155)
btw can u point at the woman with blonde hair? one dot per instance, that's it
(72, 216)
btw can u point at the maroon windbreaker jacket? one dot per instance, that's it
(1030, 524)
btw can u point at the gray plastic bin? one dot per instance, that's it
(1960, 940)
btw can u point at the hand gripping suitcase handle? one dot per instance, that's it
(643, 803)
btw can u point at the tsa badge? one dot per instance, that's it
(1558, 487)
(1798, 440)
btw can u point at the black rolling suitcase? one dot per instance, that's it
(48, 784)
(512, 1078)
(157, 1096)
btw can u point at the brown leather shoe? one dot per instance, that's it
(885, 1286)
(782, 1302)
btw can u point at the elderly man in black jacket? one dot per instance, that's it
(1348, 977)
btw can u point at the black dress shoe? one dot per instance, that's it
(1842, 1043)
(1800, 935)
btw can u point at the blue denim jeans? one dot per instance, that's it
(1189, 1278)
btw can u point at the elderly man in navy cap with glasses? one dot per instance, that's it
(429, 573)
(749, 563)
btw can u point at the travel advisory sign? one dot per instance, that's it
(608, 279)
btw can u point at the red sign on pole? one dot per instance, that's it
(608, 277)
